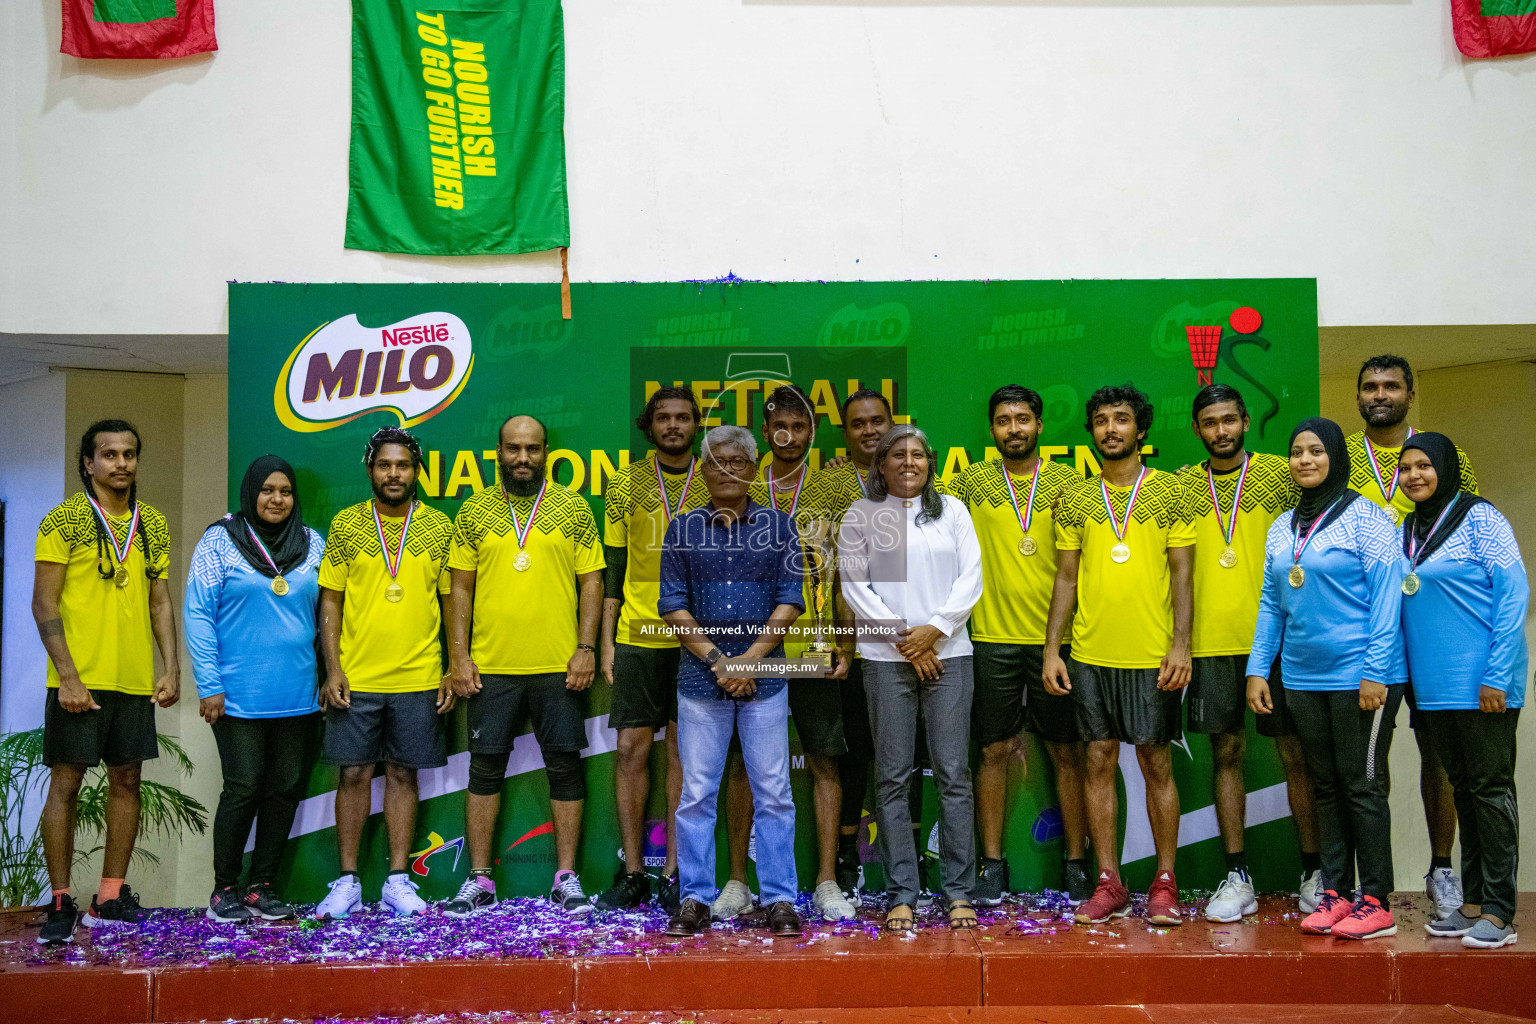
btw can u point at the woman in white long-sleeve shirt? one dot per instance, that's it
(911, 572)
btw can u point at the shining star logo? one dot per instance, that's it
(435, 845)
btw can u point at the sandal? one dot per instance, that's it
(962, 916)
(899, 919)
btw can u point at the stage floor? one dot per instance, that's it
(526, 958)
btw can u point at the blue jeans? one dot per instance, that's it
(704, 730)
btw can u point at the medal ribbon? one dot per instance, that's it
(863, 487)
(264, 552)
(120, 553)
(661, 488)
(1298, 542)
(773, 492)
(1229, 528)
(1370, 454)
(1413, 539)
(393, 565)
(1130, 503)
(1027, 515)
(521, 530)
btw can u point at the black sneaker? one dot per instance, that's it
(670, 893)
(1079, 887)
(991, 883)
(263, 901)
(629, 890)
(124, 909)
(472, 896)
(227, 906)
(60, 925)
(849, 875)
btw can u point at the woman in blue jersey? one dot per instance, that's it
(1333, 577)
(250, 626)
(1464, 608)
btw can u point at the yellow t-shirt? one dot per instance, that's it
(1016, 599)
(1363, 479)
(389, 646)
(1124, 609)
(1227, 600)
(525, 621)
(106, 627)
(825, 497)
(633, 519)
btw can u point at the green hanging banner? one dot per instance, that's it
(458, 127)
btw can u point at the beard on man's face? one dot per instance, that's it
(522, 488)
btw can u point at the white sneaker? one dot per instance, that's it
(831, 904)
(734, 899)
(1311, 892)
(399, 895)
(344, 899)
(1442, 886)
(1233, 900)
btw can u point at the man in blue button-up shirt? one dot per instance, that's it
(731, 578)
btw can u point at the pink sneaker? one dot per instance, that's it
(1163, 901)
(1368, 920)
(1331, 909)
(1109, 900)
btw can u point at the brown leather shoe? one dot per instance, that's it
(783, 921)
(691, 919)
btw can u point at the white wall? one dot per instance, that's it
(32, 481)
(812, 140)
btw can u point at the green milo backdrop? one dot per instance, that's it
(315, 368)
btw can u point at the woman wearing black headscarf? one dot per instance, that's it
(1464, 607)
(1333, 577)
(250, 626)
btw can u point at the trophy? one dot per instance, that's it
(820, 551)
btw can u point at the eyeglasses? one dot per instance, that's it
(732, 465)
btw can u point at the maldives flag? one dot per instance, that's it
(138, 28)
(1494, 28)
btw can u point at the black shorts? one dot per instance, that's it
(644, 687)
(1278, 722)
(402, 729)
(1414, 718)
(857, 734)
(816, 705)
(1217, 700)
(1125, 704)
(1002, 673)
(505, 704)
(121, 731)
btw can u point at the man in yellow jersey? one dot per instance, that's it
(1126, 553)
(639, 654)
(383, 578)
(813, 501)
(1384, 394)
(866, 418)
(1011, 501)
(522, 549)
(1232, 498)
(98, 596)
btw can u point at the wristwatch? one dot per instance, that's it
(714, 655)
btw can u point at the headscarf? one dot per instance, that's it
(1329, 499)
(1420, 523)
(287, 541)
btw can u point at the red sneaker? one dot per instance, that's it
(1109, 900)
(1332, 909)
(1163, 901)
(1367, 920)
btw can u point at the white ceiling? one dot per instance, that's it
(30, 355)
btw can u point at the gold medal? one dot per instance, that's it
(279, 586)
(120, 577)
(1027, 546)
(394, 593)
(1411, 584)
(1296, 577)
(1228, 558)
(522, 561)
(1120, 552)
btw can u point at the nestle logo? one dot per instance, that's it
(415, 335)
